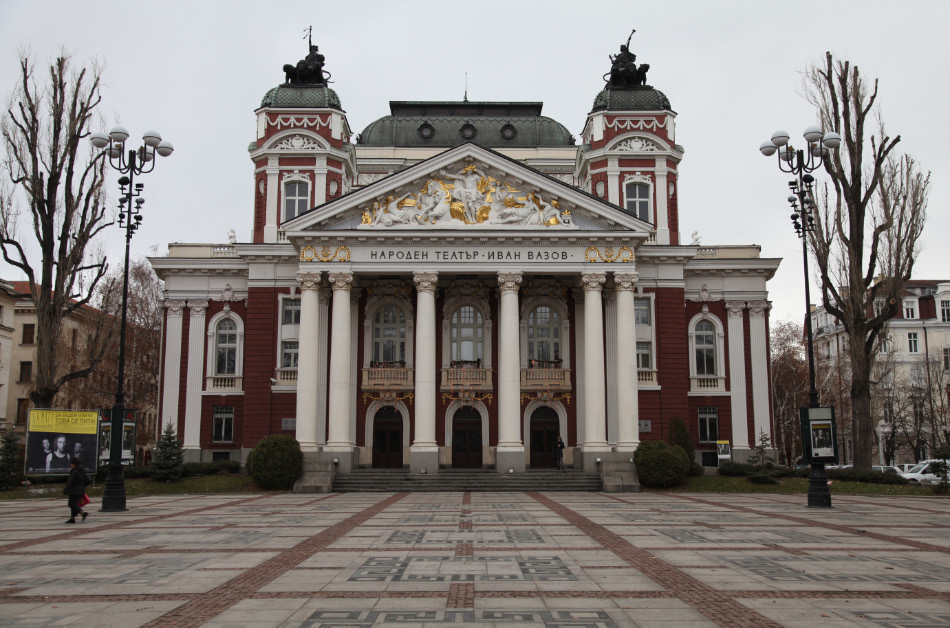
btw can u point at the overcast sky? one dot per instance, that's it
(196, 71)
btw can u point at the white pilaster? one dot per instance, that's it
(272, 208)
(628, 415)
(662, 207)
(307, 361)
(758, 344)
(613, 180)
(339, 432)
(172, 380)
(737, 390)
(510, 450)
(595, 406)
(195, 382)
(320, 181)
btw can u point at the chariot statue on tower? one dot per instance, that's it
(309, 70)
(623, 68)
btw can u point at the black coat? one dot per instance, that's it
(76, 483)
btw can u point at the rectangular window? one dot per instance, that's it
(945, 311)
(946, 358)
(26, 372)
(296, 199)
(912, 342)
(22, 411)
(708, 424)
(223, 424)
(291, 314)
(638, 200)
(885, 345)
(878, 306)
(29, 334)
(644, 356)
(288, 354)
(641, 311)
(910, 309)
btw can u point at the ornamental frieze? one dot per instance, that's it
(325, 254)
(467, 198)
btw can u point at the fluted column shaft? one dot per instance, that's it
(628, 415)
(172, 378)
(759, 349)
(195, 384)
(739, 403)
(339, 432)
(595, 405)
(307, 361)
(425, 365)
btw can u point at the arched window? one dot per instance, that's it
(544, 334)
(389, 334)
(467, 334)
(226, 346)
(637, 200)
(705, 349)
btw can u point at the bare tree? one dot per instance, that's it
(55, 200)
(789, 386)
(868, 225)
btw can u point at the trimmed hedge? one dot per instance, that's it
(661, 466)
(276, 462)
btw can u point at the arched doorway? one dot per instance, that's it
(387, 439)
(544, 433)
(467, 439)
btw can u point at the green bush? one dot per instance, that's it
(661, 466)
(872, 477)
(11, 461)
(168, 458)
(219, 467)
(226, 467)
(679, 435)
(276, 462)
(763, 478)
(736, 469)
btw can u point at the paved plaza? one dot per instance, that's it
(478, 559)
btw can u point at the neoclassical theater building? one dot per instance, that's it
(460, 283)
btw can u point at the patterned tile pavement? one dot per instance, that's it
(420, 560)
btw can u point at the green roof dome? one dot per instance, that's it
(631, 99)
(445, 124)
(302, 96)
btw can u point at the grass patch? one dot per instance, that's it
(793, 486)
(137, 487)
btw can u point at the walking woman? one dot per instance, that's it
(75, 489)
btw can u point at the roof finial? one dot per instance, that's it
(465, 99)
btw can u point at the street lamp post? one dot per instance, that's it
(801, 164)
(137, 161)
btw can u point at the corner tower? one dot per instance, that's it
(629, 155)
(302, 155)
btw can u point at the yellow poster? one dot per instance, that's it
(65, 421)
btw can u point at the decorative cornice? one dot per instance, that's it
(341, 281)
(509, 282)
(309, 280)
(625, 281)
(425, 282)
(593, 282)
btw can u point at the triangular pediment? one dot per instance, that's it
(471, 188)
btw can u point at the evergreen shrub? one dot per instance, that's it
(11, 461)
(168, 458)
(276, 462)
(661, 466)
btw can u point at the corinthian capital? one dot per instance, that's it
(759, 308)
(593, 282)
(734, 308)
(175, 306)
(425, 281)
(309, 280)
(341, 281)
(509, 282)
(625, 281)
(198, 307)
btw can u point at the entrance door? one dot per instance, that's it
(387, 439)
(467, 439)
(544, 432)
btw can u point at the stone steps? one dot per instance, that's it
(397, 480)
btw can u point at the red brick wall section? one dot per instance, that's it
(672, 358)
(747, 350)
(260, 360)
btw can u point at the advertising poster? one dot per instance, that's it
(55, 436)
(128, 441)
(818, 435)
(723, 450)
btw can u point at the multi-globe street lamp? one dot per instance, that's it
(137, 161)
(801, 163)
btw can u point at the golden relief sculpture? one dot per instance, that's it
(325, 254)
(623, 254)
(468, 198)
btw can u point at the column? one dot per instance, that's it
(338, 438)
(509, 454)
(737, 393)
(628, 414)
(191, 443)
(307, 360)
(323, 340)
(595, 406)
(272, 208)
(611, 350)
(662, 192)
(171, 383)
(424, 452)
(758, 343)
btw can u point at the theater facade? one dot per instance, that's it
(461, 283)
